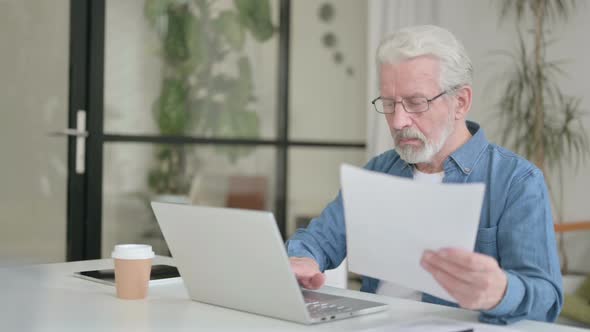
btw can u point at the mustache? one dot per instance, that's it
(408, 133)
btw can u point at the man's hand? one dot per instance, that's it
(475, 280)
(307, 272)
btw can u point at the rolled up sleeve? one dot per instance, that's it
(324, 239)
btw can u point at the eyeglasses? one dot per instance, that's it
(410, 105)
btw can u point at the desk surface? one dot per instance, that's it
(48, 298)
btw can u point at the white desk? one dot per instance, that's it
(49, 298)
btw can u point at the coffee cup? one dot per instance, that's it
(133, 264)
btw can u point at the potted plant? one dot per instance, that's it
(539, 120)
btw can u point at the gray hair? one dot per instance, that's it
(455, 65)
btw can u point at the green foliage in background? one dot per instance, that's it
(539, 120)
(196, 96)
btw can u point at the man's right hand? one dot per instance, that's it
(307, 272)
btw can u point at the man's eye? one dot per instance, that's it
(415, 101)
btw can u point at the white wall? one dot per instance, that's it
(325, 102)
(33, 102)
(476, 24)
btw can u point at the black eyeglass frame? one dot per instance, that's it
(395, 102)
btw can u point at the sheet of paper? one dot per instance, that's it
(390, 221)
(436, 324)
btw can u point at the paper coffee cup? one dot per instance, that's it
(133, 264)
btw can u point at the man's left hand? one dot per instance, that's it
(475, 280)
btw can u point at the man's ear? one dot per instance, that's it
(463, 101)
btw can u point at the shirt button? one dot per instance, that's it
(468, 170)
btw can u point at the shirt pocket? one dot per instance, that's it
(486, 241)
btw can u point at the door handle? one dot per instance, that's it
(69, 132)
(80, 133)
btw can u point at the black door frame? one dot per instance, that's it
(87, 41)
(84, 202)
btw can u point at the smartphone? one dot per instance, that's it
(160, 273)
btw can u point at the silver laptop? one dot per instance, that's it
(236, 259)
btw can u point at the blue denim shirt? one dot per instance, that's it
(515, 227)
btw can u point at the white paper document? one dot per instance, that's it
(436, 324)
(390, 221)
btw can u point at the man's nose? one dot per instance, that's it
(399, 119)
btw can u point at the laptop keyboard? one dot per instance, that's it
(321, 309)
(322, 305)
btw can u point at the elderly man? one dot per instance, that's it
(426, 94)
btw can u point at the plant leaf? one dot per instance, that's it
(171, 111)
(227, 24)
(255, 15)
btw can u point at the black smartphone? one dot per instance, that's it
(160, 272)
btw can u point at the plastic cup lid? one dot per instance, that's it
(133, 251)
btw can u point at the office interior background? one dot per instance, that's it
(272, 137)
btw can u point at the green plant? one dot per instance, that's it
(539, 120)
(199, 93)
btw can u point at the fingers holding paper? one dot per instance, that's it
(475, 280)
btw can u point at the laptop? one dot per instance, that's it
(236, 259)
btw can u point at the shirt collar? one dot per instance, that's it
(466, 156)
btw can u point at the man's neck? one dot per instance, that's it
(453, 143)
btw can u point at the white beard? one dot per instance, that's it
(425, 153)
